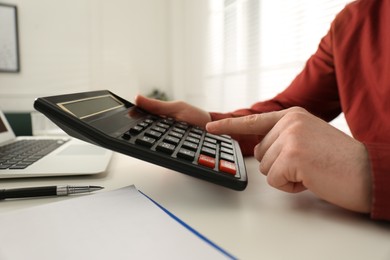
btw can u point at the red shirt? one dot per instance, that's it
(350, 73)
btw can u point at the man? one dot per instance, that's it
(289, 134)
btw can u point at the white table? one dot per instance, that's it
(258, 223)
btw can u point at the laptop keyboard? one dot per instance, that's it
(23, 153)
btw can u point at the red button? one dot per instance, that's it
(227, 167)
(206, 161)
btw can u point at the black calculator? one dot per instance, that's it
(107, 120)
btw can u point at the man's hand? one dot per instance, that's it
(300, 151)
(176, 109)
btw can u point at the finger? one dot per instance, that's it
(272, 143)
(283, 176)
(267, 153)
(258, 124)
(157, 107)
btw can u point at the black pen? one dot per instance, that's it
(29, 192)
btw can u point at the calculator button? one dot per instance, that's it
(172, 140)
(190, 145)
(153, 134)
(182, 125)
(228, 167)
(165, 147)
(176, 134)
(227, 145)
(179, 130)
(206, 161)
(194, 135)
(186, 154)
(208, 151)
(227, 157)
(126, 136)
(148, 121)
(210, 140)
(145, 141)
(143, 124)
(219, 137)
(166, 126)
(193, 140)
(136, 130)
(197, 131)
(167, 121)
(210, 145)
(159, 129)
(227, 150)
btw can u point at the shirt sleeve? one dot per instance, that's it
(380, 167)
(314, 89)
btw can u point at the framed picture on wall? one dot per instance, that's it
(9, 39)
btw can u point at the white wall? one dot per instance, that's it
(188, 23)
(81, 45)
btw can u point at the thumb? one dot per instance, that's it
(155, 106)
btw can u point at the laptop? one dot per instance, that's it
(44, 156)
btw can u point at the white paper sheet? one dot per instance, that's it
(121, 224)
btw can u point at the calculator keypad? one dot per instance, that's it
(184, 142)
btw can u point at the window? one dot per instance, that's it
(254, 48)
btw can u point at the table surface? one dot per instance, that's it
(257, 223)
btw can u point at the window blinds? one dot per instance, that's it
(254, 48)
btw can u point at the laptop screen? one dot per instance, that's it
(3, 126)
(6, 132)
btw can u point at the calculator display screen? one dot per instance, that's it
(87, 107)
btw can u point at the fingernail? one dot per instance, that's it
(210, 126)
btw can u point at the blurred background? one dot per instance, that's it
(217, 54)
